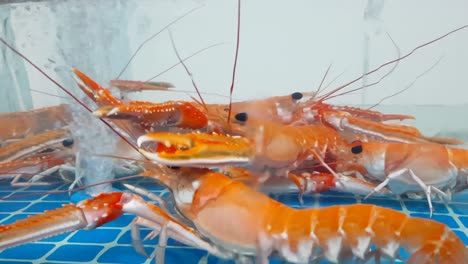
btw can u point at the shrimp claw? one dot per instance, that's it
(172, 113)
(93, 90)
(97, 211)
(87, 214)
(196, 149)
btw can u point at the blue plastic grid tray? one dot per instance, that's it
(111, 243)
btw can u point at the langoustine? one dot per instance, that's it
(181, 114)
(266, 150)
(253, 224)
(430, 169)
(37, 156)
(19, 125)
(150, 116)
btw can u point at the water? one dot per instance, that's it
(285, 47)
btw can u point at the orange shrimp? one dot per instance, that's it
(287, 109)
(252, 224)
(34, 144)
(268, 149)
(36, 156)
(412, 168)
(264, 145)
(182, 114)
(36, 167)
(18, 125)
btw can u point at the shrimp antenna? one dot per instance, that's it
(153, 36)
(409, 85)
(185, 67)
(332, 81)
(398, 59)
(379, 80)
(141, 84)
(49, 94)
(185, 59)
(321, 83)
(235, 59)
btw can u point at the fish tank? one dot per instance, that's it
(395, 57)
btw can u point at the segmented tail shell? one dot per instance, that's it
(339, 230)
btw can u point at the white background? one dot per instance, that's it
(285, 46)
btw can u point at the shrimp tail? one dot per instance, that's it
(437, 243)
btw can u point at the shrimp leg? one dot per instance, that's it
(402, 173)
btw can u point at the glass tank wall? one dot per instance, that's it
(284, 47)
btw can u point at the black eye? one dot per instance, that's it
(296, 96)
(67, 142)
(173, 167)
(357, 147)
(242, 117)
(226, 109)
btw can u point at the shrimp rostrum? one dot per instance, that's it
(242, 221)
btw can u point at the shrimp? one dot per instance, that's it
(281, 109)
(37, 156)
(36, 167)
(183, 114)
(269, 149)
(34, 144)
(18, 125)
(406, 168)
(253, 224)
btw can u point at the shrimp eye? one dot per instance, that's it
(357, 147)
(67, 142)
(173, 167)
(242, 117)
(297, 96)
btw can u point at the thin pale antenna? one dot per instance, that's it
(409, 85)
(235, 59)
(46, 93)
(153, 36)
(332, 81)
(378, 81)
(395, 60)
(324, 77)
(321, 83)
(185, 67)
(185, 59)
